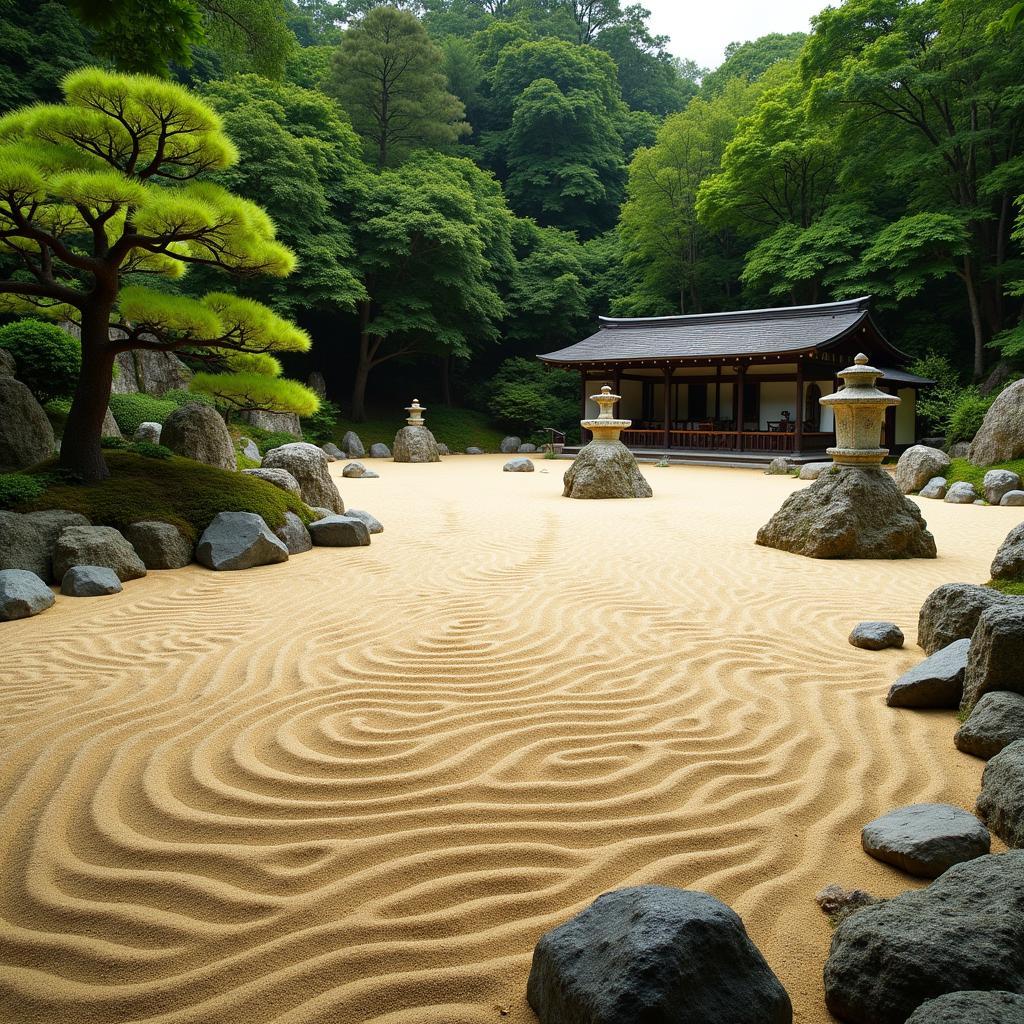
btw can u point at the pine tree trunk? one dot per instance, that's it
(976, 325)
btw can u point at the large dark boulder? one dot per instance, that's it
(936, 682)
(1009, 561)
(849, 512)
(96, 545)
(197, 431)
(27, 540)
(90, 581)
(605, 469)
(656, 955)
(965, 931)
(308, 464)
(239, 540)
(917, 465)
(339, 532)
(22, 593)
(26, 436)
(160, 545)
(951, 612)
(876, 636)
(996, 659)
(415, 444)
(352, 445)
(971, 1008)
(1001, 802)
(1001, 437)
(996, 721)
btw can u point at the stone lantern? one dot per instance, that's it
(606, 427)
(859, 411)
(415, 412)
(414, 442)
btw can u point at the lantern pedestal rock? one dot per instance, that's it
(414, 443)
(605, 468)
(854, 509)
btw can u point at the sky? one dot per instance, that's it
(701, 30)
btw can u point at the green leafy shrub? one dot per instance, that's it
(149, 450)
(182, 396)
(272, 439)
(966, 416)
(48, 359)
(18, 489)
(527, 397)
(935, 404)
(174, 490)
(320, 427)
(132, 409)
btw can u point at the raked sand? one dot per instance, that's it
(358, 786)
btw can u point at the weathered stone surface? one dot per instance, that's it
(340, 532)
(22, 593)
(90, 581)
(656, 954)
(527, 448)
(150, 431)
(96, 545)
(812, 470)
(332, 451)
(933, 442)
(965, 931)
(1009, 561)
(250, 449)
(780, 467)
(27, 540)
(473, 450)
(996, 661)
(443, 449)
(961, 493)
(356, 470)
(8, 365)
(951, 612)
(1013, 498)
(372, 523)
(1001, 805)
(294, 534)
(415, 444)
(308, 465)
(239, 540)
(996, 721)
(26, 436)
(154, 373)
(509, 445)
(850, 513)
(971, 1008)
(935, 488)
(197, 431)
(317, 384)
(960, 450)
(275, 422)
(321, 512)
(278, 477)
(518, 466)
(917, 465)
(379, 451)
(876, 636)
(998, 482)
(925, 839)
(159, 545)
(937, 682)
(353, 445)
(1001, 437)
(605, 469)
(110, 427)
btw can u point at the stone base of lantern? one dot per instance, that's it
(850, 512)
(605, 469)
(415, 444)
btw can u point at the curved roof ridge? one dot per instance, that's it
(861, 304)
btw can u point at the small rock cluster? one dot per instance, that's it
(923, 470)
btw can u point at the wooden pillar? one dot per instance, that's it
(718, 394)
(668, 406)
(798, 437)
(584, 434)
(737, 405)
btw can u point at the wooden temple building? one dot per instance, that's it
(738, 388)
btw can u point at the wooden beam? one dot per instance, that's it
(737, 404)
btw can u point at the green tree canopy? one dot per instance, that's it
(749, 61)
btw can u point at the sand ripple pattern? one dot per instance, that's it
(359, 786)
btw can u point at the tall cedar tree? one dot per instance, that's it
(101, 189)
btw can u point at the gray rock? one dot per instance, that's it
(443, 449)
(275, 422)
(308, 465)
(197, 431)
(278, 477)
(320, 512)
(509, 445)
(935, 488)
(332, 451)
(996, 721)
(90, 581)
(605, 469)
(26, 436)
(925, 839)
(876, 636)
(159, 545)
(1013, 498)
(518, 466)
(780, 467)
(937, 682)
(110, 427)
(527, 448)
(812, 470)
(294, 534)
(971, 1008)
(658, 955)
(415, 444)
(27, 540)
(1001, 805)
(917, 465)
(8, 365)
(998, 482)
(933, 442)
(473, 450)
(142, 370)
(960, 450)
(317, 384)
(379, 451)
(250, 449)
(340, 532)
(22, 593)
(951, 612)
(996, 661)
(239, 540)
(850, 513)
(961, 493)
(96, 545)
(965, 931)
(1009, 561)
(1001, 437)
(353, 445)
(150, 431)
(355, 470)
(372, 523)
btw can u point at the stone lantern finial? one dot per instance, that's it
(606, 427)
(415, 412)
(859, 411)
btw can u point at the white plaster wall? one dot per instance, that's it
(632, 404)
(827, 419)
(776, 396)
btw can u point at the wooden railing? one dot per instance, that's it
(727, 440)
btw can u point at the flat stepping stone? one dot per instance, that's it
(339, 532)
(925, 839)
(90, 581)
(971, 1008)
(876, 636)
(937, 682)
(996, 721)
(22, 594)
